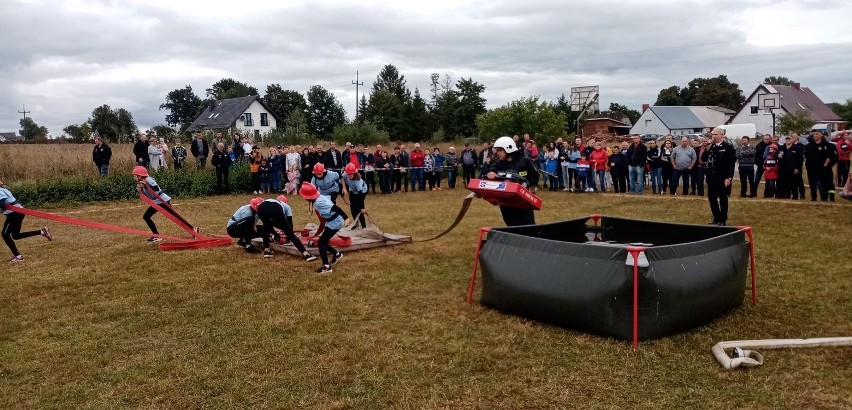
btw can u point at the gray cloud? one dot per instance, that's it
(63, 62)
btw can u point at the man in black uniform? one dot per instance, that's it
(791, 155)
(820, 156)
(511, 164)
(720, 173)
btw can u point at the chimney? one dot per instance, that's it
(796, 86)
(211, 105)
(645, 107)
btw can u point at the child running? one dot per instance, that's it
(276, 213)
(334, 221)
(12, 226)
(146, 185)
(357, 192)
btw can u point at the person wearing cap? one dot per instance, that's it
(511, 164)
(243, 225)
(147, 185)
(14, 220)
(334, 218)
(200, 150)
(101, 154)
(329, 183)
(140, 150)
(277, 214)
(357, 192)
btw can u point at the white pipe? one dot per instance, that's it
(750, 358)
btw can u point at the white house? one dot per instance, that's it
(679, 120)
(794, 98)
(244, 114)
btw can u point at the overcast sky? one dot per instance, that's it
(64, 58)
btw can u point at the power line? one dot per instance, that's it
(25, 112)
(357, 84)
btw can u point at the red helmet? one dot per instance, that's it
(319, 169)
(309, 191)
(282, 198)
(350, 169)
(255, 202)
(140, 171)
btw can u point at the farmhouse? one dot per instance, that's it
(10, 137)
(794, 98)
(679, 120)
(243, 114)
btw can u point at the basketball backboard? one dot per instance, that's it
(582, 96)
(769, 102)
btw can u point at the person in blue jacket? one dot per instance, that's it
(243, 225)
(146, 185)
(357, 192)
(334, 218)
(12, 225)
(328, 183)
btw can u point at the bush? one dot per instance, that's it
(366, 134)
(120, 186)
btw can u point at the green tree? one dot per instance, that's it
(113, 125)
(777, 80)
(355, 133)
(296, 129)
(797, 121)
(284, 102)
(540, 119)
(844, 111)
(385, 111)
(470, 104)
(563, 106)
(126, 127)
(324, 112)
(30, 130)
(78, 133)
(417, 117)
(164, 131)
(230, 88)
(390, 80)
(184, 107)
(633, 115)
(669, 96)
(713, 91)
(362, 109)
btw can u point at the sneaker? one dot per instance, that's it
(241, 243)
(324, 269)
(252, 249)
(46, 233)
(336, 258)
(309, 258)
(154, 239)
(267, 253)
(19, 258)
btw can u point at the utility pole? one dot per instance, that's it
(25, 112)
(357, 101)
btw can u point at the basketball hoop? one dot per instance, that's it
(769, 102)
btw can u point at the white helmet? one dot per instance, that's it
(507, 143)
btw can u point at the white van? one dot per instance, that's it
(735, 132)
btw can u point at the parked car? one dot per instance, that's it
(650, 137)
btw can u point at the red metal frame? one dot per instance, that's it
(482, 232)
(596, 218)
(635, 251)
(750, 233)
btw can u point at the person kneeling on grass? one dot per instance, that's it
(12, 226)
(276, 213)
(357, 193)
(146, 185)
(242, 225)
(334, 220)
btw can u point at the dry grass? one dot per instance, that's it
(100, 320)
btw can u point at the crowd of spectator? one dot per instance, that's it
(669, 167)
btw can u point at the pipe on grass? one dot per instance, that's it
(743, 357)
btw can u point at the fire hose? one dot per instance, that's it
(742, 356)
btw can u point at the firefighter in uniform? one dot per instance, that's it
(720, 174)
(512, 165)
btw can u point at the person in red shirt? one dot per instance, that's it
(843, 142)
(598, 161)
(416, 159)
(770, 171)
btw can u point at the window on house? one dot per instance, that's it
(264, 120)
(248, 122)
(216, 115)
(256, 134)
(211, 116)
(755, 109)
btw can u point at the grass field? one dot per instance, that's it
(101, 320)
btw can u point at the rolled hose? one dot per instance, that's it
(742, 356)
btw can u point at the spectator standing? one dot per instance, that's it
(254, 168)
(820, 156)
(789, 157)
(699, 171)
(178, 154)
(428, 169)
(307, 162)
(332, 158)
(369, 169)
(637, 157)
(469, 163)
(265, 172)
(237, 147)
(572, 182)
(618, 168)
(221, 162)
(417, 159)
(684, 158)
(759, 156)
(405, 163)
(666, 158)
(438, 170)
(770, 167)
(720, 174)
(551, 165)
(452, 167)
(164, 148)
(386, 167)
(655, 165)
(155, 155)
(276, 168)
(200, 150)
(745, 158)
(140, 150)
(484, 159)
(101, 154)
(843, 145)
(598, 162)
(292, 169)
(583, 170)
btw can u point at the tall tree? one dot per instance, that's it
(540, 119)
(390, 80)
(78, 133)
(324, 112)
(113, 125)
(563, 106)
(184, 107)
(125, 127)
(164, 131)
(362, 109)
(669, 96)
(296, 129)
(230, 88)
(777, 80)
(417, 118)
(713, 91)
(633, 115)
(470, 105)
(283, 102)
(385, 111)
(844, 111)
(30, 130)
